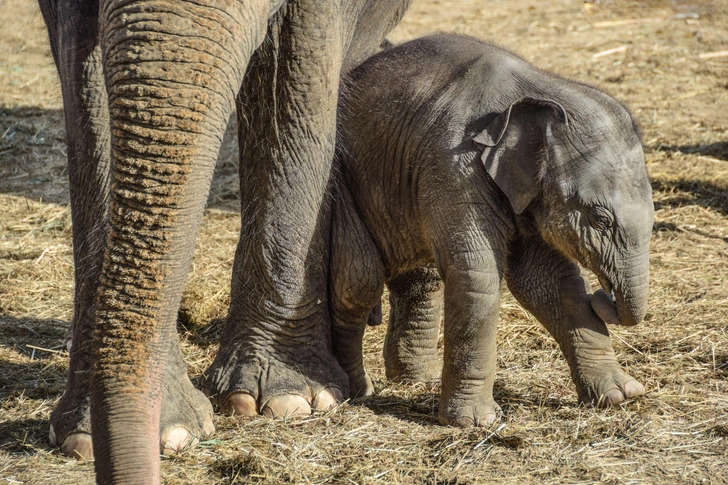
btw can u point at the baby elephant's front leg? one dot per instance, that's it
(471, 315)
(549, 286)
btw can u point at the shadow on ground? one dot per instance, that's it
(33, 364)
(28, 330)
(717, 150)
(33, 159)
(663, 226)
(32, 376)
(691, 192)
(201, 335)
(423, 408)
(24, 436)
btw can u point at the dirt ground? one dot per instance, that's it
(667, 60)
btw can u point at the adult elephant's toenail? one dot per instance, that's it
(633, 389)
(78, 446)
(611, 398)
(327, 399)
(463, 422)
(176, 440)
(240, 403)
(487, 419)
(286, 406)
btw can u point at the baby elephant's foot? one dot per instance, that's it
(413, 369)
(464, 415)
(606, 385)
(360, 386)
(598, 377)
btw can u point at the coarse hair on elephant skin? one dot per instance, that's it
(148, 87)
(460, 165)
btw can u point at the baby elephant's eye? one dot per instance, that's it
(601, 218)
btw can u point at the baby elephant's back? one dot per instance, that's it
(419, 96)
(397, 107)
(423, 69)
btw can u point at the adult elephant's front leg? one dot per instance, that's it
(275, 353)
(73, 33)
(551, 287)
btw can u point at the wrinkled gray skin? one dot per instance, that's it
(456, 154)
(148, 87)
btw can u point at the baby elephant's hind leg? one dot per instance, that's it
(410, 348)
(356, 286)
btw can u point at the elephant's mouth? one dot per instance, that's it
(604, 303)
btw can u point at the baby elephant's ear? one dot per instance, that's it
(493, 133)
(515, 146)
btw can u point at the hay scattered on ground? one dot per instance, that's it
(648, 54)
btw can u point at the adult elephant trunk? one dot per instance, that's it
(629, 284)
(172, 70)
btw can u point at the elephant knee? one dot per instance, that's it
(358, 294)
(357, 278)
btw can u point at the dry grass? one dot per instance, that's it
(677, 433)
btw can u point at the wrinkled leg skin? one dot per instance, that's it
(472, 301)
(551, 287)
(171, 71)
(74, 45)
(148, 87)
(275, 356)
(186, 413)
(275, 353)
(410, 347)
(356, 286)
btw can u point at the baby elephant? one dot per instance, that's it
(458, 154)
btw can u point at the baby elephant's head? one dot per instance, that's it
(578, 168)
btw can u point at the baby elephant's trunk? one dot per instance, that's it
(627, 303)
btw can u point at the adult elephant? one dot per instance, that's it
(148, 86)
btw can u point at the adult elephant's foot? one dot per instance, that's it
(466, 414)
(186, 415)
(70, 428)
(186, 412)
(249, 377)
